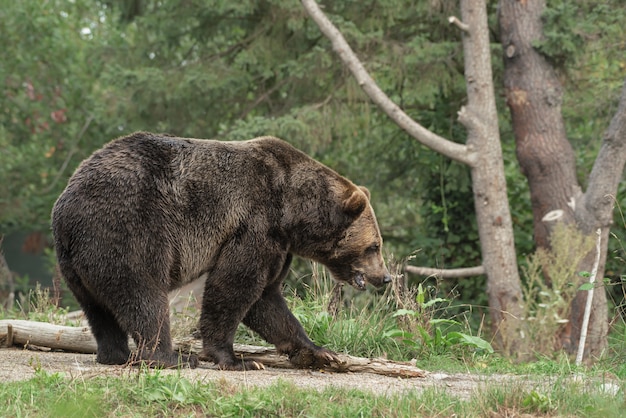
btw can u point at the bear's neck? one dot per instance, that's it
(313, 220)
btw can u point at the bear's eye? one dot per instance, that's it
(373, 248)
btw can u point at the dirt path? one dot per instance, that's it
(18, 364)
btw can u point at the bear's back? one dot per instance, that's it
(175, 200)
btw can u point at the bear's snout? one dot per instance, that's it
(377, 281)
(386, 279)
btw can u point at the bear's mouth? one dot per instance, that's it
(358, 281)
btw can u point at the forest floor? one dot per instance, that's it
(20, 364)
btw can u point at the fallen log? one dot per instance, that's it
(80, 340)
(43, 334)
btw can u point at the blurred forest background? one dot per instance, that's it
(78, 73)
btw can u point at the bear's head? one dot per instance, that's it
(356, 257)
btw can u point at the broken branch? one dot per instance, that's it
(446, 273)
(459, 24)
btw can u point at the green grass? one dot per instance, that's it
(153, 393)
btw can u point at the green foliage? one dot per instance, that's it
(537, 402)
(551, 284)
(359, 325)
(42, 101)
(430, 335)
(569, 27)
(38, 305)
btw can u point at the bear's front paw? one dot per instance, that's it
(226, 360)
(241, 365)
(313, 358)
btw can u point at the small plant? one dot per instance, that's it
(434, 335)
(536, 401)
(39, 306)
(166, 389)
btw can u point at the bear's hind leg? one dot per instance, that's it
(149, 325)
(111, 339)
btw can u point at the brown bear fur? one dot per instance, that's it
(149, 213)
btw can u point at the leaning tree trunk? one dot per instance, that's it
(534, 97)
(594, 211)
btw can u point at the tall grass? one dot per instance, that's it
(345, 320)
(399, 322)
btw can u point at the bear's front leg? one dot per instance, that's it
(229, 292)
(271, 318)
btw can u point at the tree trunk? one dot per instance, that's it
(594, 210)
(494, 222)
(534, 96)
(7, 286)
(482, 153)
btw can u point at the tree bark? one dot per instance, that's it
(534, 96)
(7, 287)
(494, 222)
(482, 153)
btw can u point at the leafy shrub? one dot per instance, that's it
(551, 276)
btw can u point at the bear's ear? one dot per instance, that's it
(355, 204)
(367, 192)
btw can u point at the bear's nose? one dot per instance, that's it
(387, 278)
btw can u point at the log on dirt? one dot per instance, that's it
(43, 334)
(80, 340)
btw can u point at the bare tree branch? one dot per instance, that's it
(446, 273)
(455, 21)
(448, 148)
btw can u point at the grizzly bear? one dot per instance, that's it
(149, 213)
